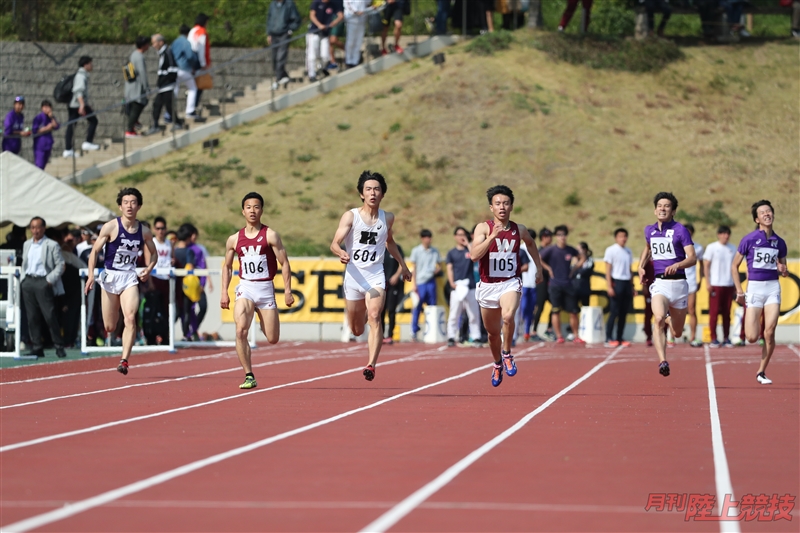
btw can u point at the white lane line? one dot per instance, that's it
(464, 506)
(396, 513)
(794, 349)
(115, 423)
(722, 475)
(106, 497)
(318, 356)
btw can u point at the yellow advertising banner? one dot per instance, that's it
(317, 288)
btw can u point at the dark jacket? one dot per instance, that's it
(167, 68)
(282, 17)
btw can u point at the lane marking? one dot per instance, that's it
(396, 513)
(91, 429)
(315, 357)
(115, 494)
(722, 475)
(794, 349)
(464, 506)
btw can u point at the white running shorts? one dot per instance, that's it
(692, 283)
(261, 293)
(116, 281)
(763, 293)
(676, 291)
(358, 283)
(488, 294)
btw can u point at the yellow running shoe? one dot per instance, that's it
(249, 383)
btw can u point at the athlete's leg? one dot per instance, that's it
(270, 324)
(752, 323)
(356, 315)
(509, 302)
(129, 302)
(660, 305)
(677, 318)
(493, 322)
(110, 311)
(243, 311)
(692, 312)
(374, 303)
(771, 314)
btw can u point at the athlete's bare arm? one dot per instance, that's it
(643, 259)
(691, 260)
(274, 240)
(737, 260)
(150, 246)
(391, 247)
(227, 271)
(532, 250)
(783, 270)
(483, 239)
(345, 225)
(107, 232)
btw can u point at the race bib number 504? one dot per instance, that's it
(662, 248)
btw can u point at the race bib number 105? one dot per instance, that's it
(502, 264)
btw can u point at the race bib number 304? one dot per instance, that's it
(502, 264)
(765, 258)
(662, 248)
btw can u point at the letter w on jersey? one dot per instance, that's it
(251, 250)
(368, 237)
(504, 245)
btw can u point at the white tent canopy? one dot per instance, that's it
(26, 191)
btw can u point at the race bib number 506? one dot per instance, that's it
(765, 258)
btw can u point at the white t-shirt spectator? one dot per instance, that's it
(529, 276)
(691, 272)
(620, 260)
(721, 258)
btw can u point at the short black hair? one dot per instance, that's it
(585, 247)
(141, 41)
(130, 191)
(201, 19)
(425, 233)
(76, 233)
(689, 226)
(499, 189)
(368, 175)
(532, 233)
(461, 228)
(666, 196)
(250, 196)
(184, 29)
(38, 218)
(755, 206)
(84, 60)
(159, 219)
(545, 232)
(186, 230)
(46, 103)
(620, 230)
(563, 228)
(724, 229)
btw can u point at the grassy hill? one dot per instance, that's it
(579, 146)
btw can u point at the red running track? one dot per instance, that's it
(176, 446)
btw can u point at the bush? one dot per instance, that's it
(612, 18)
(488, 43)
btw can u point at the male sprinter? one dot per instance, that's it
(124, 238)
(496, 247)
(766, 260)
(366, 232)
(671, 249)
(259, 249)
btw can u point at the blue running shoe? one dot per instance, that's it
(497, 375)
(509, 365)
(663, 368)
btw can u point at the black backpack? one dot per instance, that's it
(63, 91)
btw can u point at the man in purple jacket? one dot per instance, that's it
(43, 125)
(14, 127)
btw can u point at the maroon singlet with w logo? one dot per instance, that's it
(501, 262)
(257, 261)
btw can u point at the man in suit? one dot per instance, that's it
(40, 280)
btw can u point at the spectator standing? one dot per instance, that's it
(337, 32)
(582, 274)
(283, 19)
(528, 301)
(392, 16)
(44, 124)
(167, 76)
(717, 263)
(71, 299)
(462, 285)
(570, 10)
(619, 259)
(137, 86)
(40, 282)
(647, 282)
(323, 16)
(164, 250)
(187, 63)
(426, 261)
(395, 290)
(201, 45)
(79, 107)
(558, 260)
(653, 6)
(733, 10)
(542, 292)
(356, 21)
(694, 282)
(442, 14)
(14, 127)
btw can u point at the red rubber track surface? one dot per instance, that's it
(585, 463)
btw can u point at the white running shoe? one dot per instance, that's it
(88, 147)
(764, 380)
(69, 153)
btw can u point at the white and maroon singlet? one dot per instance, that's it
(501, 261)
(257, 261)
